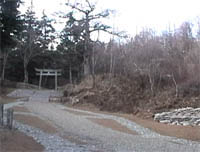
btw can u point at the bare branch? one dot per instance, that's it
(76, 8)
(91, 7)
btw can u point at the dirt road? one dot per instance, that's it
(89, 131)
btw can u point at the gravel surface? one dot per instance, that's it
(117, 141)
(53, 143)
(104, 138)
(35, 95)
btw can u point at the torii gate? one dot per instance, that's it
(48, 72)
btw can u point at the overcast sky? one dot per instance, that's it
(133, 15)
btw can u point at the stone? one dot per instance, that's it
(185, 123)
(165, 121)
(54, 99)
(183, 116)
(74, 100)
(175, 123)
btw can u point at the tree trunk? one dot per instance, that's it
(86, 66)
(151, 81)
(87, 56)
(25, 76)
(3, 73)
(175, 84)
(112, 64)
(5, 57)
(93, 69)
(70, 74)
(25, 72)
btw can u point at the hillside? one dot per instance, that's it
(120, 94)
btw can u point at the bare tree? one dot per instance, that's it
(89, 23)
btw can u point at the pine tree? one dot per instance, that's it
(10, 27)
(35, 38)
(47, 32)
(29, 43)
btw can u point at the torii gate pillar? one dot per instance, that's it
(48, 72)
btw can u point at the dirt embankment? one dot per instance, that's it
(14, 141)
(120, 94)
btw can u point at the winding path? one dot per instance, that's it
(95, 136)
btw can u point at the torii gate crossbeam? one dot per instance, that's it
(48, 72)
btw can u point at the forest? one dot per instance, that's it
(148, 68)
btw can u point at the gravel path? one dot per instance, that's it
(147, 141)
(53, 143)
(102, 138)
(35, 95)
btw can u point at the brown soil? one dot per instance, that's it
(21, 109)
(14, 141)
(185, 132)
(4, 99)
(36, 122)
(109, 123)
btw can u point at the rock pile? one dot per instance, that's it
(184, 116)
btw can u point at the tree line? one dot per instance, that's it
(170, 58)
(29, 41)
(23, 37)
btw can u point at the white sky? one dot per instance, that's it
(133, 15)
